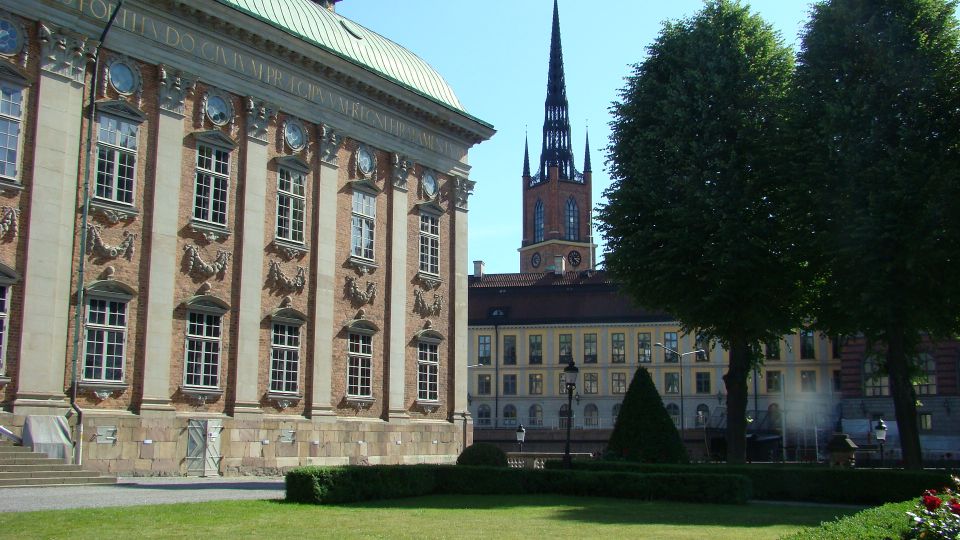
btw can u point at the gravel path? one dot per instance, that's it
(140, 491)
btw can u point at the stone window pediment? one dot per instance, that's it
(117, 107)
(111, 288)
(207, 303)
(216, 138)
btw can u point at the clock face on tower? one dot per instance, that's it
(574, 258)
(535, 260)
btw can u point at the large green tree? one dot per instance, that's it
(692, 222)
(877, 101)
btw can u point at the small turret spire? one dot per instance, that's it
(526, 157)
(586, 157)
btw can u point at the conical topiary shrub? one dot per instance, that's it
(644, 431)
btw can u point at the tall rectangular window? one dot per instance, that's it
(291, 205)
(702, 344)
(510, 385)
(428, 372)
(4, 290)
(483, 385)
(566, 348)
(926, 421)
(618, 348)
(670, 342)
(703, 382)
(773, 349)
(509, 350)
(363, 219)
(360, 366)
(285, 358)
(536, 349)
(875, 380)
(483, 350)
(774, 382)
(203, 350)
(618, 383)
(836, 346)
(589, 348)
(106, 336)
(644, 349)
(671, 383)
(116, 159)
(591, 383)
(429, 244)
(535, 386)
(212, 185)
(837, 381)
(926, 383)
(11, 110)
(807, 345)
(808, 381)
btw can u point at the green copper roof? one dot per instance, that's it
(328, 30)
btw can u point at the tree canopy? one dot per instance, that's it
(693, 222)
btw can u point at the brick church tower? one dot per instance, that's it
(557, 201)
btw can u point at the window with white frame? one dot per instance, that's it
(428, 371)
(106, 337)
(116, 159)
(211, 185)
(535, 416)
(876, 382)
(203, 349)
(4, 312)
(360, 366)
(291, 204)
(11, 111)
(429, 244)
(671, 342)
(644, 350)
(618, 383)
(363, 218)
(285, 358)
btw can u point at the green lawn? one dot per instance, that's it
(426, 517)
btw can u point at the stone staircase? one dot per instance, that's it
(21, 467)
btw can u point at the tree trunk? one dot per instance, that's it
(904, 401)
(736, 382)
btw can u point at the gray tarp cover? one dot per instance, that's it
(48, 434)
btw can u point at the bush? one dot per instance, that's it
(881, 523)
(482, 455)
(644, 431)
(347, 484)
(800, 483)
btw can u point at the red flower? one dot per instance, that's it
(955, 506)
(932, 502)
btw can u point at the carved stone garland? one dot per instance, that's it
(359, 296)
(421, 306)
(277, 276)
(9, 221)
(195, 264)
(95, 244)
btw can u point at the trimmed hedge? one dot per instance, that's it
(331, 485)
(800, 483)
(880, 523)
(483, 455)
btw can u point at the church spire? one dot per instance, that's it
(556, 123)
(586, 154)
(526, 157)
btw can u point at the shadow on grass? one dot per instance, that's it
(196, 486)
(595, 510)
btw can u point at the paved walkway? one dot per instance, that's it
(140, 491)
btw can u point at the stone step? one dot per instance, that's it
(58, 466)
(39, 482)
(29, 459)
(7, 475)
(14, 450)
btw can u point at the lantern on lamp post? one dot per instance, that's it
(880, 433)
(521, 435)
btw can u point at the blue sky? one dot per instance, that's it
(494, 54)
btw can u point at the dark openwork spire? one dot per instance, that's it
(586, 155)
(556, 122)
(526, 157)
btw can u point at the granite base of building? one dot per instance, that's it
(124, 443)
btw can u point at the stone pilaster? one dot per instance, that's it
(326, 264)
(398, 290)
(159, 306)
(462, 189)
(50, 234)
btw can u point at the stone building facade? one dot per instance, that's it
(273, 254)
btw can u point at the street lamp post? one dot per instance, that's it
(570, 380)
(880, 432)
(680, 364)
(521, 435)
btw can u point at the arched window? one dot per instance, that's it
(563, 417)
(703, 413)
(509, 415)
(674, 411)
(538, 221)
(591, 415)
(573, 220)
(536, 416)
(616, 412)
(483, 415)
